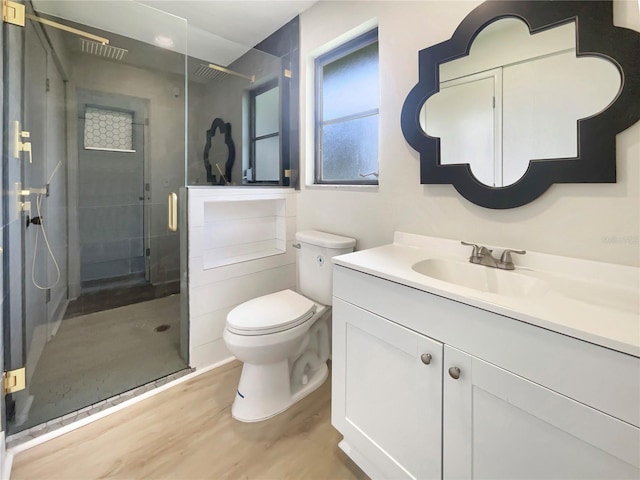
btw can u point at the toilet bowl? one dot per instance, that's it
(283, 338)
(275, 373)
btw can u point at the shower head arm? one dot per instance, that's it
(66, 28)
(213, 66)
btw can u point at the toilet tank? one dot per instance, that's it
(315, 271)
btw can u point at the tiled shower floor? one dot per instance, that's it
(97, 356)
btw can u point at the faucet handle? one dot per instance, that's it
(505, 259)
(476, 248)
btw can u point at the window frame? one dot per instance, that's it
(320, 62)
(270, 85)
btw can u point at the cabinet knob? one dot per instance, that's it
(426, 358)
(454, 372)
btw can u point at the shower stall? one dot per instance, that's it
(107, 120)
(95, 113)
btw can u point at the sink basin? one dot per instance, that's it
(481, 278)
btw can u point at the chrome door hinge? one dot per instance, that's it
(13, 13)
(14, 380)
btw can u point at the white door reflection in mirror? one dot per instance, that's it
(464, 116)
(540, 89)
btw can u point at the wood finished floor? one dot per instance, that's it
(187, 433)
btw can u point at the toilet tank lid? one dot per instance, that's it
(323, 239)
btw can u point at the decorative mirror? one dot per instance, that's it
(525, 94)
(211, 150)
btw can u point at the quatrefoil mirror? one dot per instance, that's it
(525, 94)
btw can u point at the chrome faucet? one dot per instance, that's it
(483, 256)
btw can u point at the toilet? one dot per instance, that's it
(283, 338)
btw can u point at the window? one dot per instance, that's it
(110, 130)
(346, 118)
(265, 134)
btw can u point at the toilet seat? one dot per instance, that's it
(271, 313)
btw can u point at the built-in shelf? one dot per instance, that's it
(243, 230)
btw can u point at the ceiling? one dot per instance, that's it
(243, 22)
(215, 31)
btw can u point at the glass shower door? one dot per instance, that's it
(95, 105)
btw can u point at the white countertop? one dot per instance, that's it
(592, 301)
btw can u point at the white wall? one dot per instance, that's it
(213, 292)
(592, 221)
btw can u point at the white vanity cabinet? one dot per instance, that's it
(499, 425)
(527, 402)
(389, 400)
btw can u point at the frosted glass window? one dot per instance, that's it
(350, 148)
(267, 112)
(110, 130)
(265, 134)
(350, 84)
(347, 113)
(268, 159)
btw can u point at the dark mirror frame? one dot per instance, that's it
(596, 160)
(225, 129)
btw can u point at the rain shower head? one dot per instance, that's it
(102, 50)
(215, 72)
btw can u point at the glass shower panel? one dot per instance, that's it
(221, 84)
(93, 309)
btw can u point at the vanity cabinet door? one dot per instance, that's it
(387, 395)
(501, 426)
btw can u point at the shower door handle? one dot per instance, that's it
(173, 212)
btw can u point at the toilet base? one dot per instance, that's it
(265, 390)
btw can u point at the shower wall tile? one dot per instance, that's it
(158, 216)
(93, 252)
(117, 249)
(136, 245)
(136, 265)
(96, 271)
(109, 222)
(224, 218)
(165, 258)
